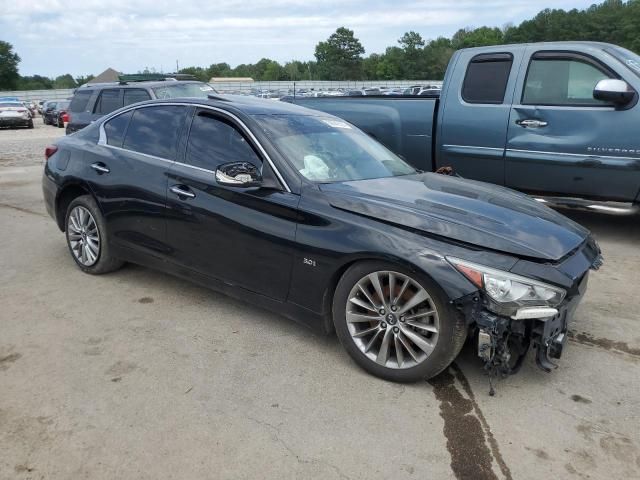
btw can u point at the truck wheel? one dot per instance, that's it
(396, 323)
(86, 237)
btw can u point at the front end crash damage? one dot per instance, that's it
(503, 340)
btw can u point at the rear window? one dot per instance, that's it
(135, 95)
(486, 78)
(155, 130)
(80, 101)
(108, 101)
(184, 89)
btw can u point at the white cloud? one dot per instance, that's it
(86, 36)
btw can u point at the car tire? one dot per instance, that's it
(30, 124)
(435, 339)
(60, 124)
(86, 235)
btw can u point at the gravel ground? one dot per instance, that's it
(141, 375)
(24, 147)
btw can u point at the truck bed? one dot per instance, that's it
(402, 124)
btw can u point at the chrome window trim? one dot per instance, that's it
(102, 139)
(153, 157)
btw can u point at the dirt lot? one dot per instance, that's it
(140, 375)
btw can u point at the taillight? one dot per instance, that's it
(66, 118)
(49, 150)
(22, 110)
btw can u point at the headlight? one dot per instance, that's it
(507, 291)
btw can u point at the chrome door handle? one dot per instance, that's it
(100, 167)
(532, 123)
(181, 192)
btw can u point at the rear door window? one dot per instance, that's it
(486, 78)
(214, 141)
(108, 101)
(155, 130)
(80, 101)
(116, 128)
(135, 95)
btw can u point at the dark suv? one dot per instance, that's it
(91, 102)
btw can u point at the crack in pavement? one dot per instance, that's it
(21, 209)
(276, 435)
(466, 429)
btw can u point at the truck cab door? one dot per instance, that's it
(475, 106)
(562, 141)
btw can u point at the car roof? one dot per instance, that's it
(244, 104)
(141, 84)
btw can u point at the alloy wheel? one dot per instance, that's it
(392, 319)
(83, 235)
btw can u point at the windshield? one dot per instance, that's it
(630, 59)
(11, 104)
(326, 149)
(184, 89)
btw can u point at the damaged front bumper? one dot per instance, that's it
(504, 341)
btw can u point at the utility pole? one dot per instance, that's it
(177, 67)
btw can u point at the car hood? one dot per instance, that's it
(468, 211)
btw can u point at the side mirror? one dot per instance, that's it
(614, 91)
(239, 174)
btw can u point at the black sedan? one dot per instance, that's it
(302, 213)
(54, 113)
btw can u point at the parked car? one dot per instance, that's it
(556, 120)
(47, 108)
(300, 212)
(30, 107)
(15, 114)
(55, 113)
(430, 92)
(92, 101)
(40, 106)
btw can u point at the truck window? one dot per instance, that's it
(486, 78)
(558, 80)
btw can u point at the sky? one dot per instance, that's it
(54, 37)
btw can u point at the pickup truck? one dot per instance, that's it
(559, 121)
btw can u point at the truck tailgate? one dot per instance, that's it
(403, 125)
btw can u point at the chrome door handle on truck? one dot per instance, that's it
(531, 123)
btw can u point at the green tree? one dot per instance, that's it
(198, 72)
(412, 56)
(82, 79)
(218, 70)
(35, 82)
(9, 61)
(436, 56)
(340, 57)
(477, 37)
(64, 81)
